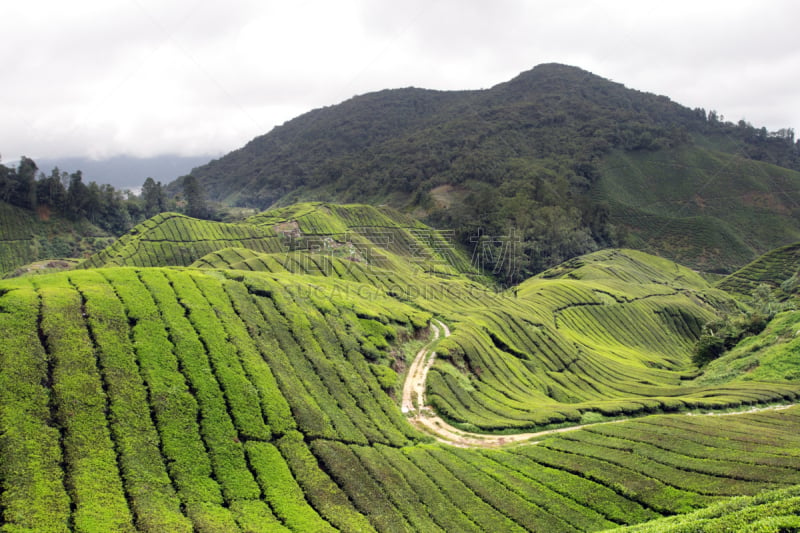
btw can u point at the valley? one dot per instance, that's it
(278, 374)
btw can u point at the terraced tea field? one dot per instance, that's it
(415, 404)
(771, 268)
(699, 206)
(609, 336)
(356, 233)
(262, 390)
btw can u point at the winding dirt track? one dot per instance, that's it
(425, 419)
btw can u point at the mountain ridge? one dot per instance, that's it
(399, 108)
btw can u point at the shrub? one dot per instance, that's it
(722, 335)
(387, 378)
(707, 349)
(591, 417)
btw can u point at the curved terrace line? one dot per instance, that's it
(424, 418)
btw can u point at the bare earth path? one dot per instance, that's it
(425, 419)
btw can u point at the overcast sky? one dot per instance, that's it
(144, 77)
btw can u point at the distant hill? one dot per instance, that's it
(354, 237)
(125, 172)
(395, 142)
(705, 208)
(559, 159)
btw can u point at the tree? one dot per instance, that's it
(51, 191)
(153, 197)
(27, 177)
(93, 202)
(195, 198)
(114, 215)
(6, 183)
(791, 285)
(76, 195)
(18, 186)
(707, 348)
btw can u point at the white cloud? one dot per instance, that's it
(103, 77)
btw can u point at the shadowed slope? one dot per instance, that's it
(703, 208)
(772, 268)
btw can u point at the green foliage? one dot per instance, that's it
(256, 516)
(174, 239)
(354, 242)
(414, 139)
(770, 512)
(722, 335)
(153, 198)
(708, 348)
(320, 490)
(210, 517)
(195, 198)
(229, 398)
(173, 405)
(774, 268)
(698, 205)
(610, 333)
(590, 417)
(281, 489)
(387, 378)
(27, 237)
(66, 195)
(93, 475)
(33, 493)
(216, 421)
(770, 355)
(148, 485)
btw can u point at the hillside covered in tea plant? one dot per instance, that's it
(27, 237)
(201, 376)
(562, 159)
(773, 269)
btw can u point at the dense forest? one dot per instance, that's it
(115, 211)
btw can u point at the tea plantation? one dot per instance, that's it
(200, 376)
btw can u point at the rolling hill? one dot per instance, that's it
(565, 160)
(701, 207)
(360, 234)
(201, 376)
(773, 268)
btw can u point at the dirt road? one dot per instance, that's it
(426, 420)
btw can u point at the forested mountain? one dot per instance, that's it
(557, 161)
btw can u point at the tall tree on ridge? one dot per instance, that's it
(196, 206)
(153, 197)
